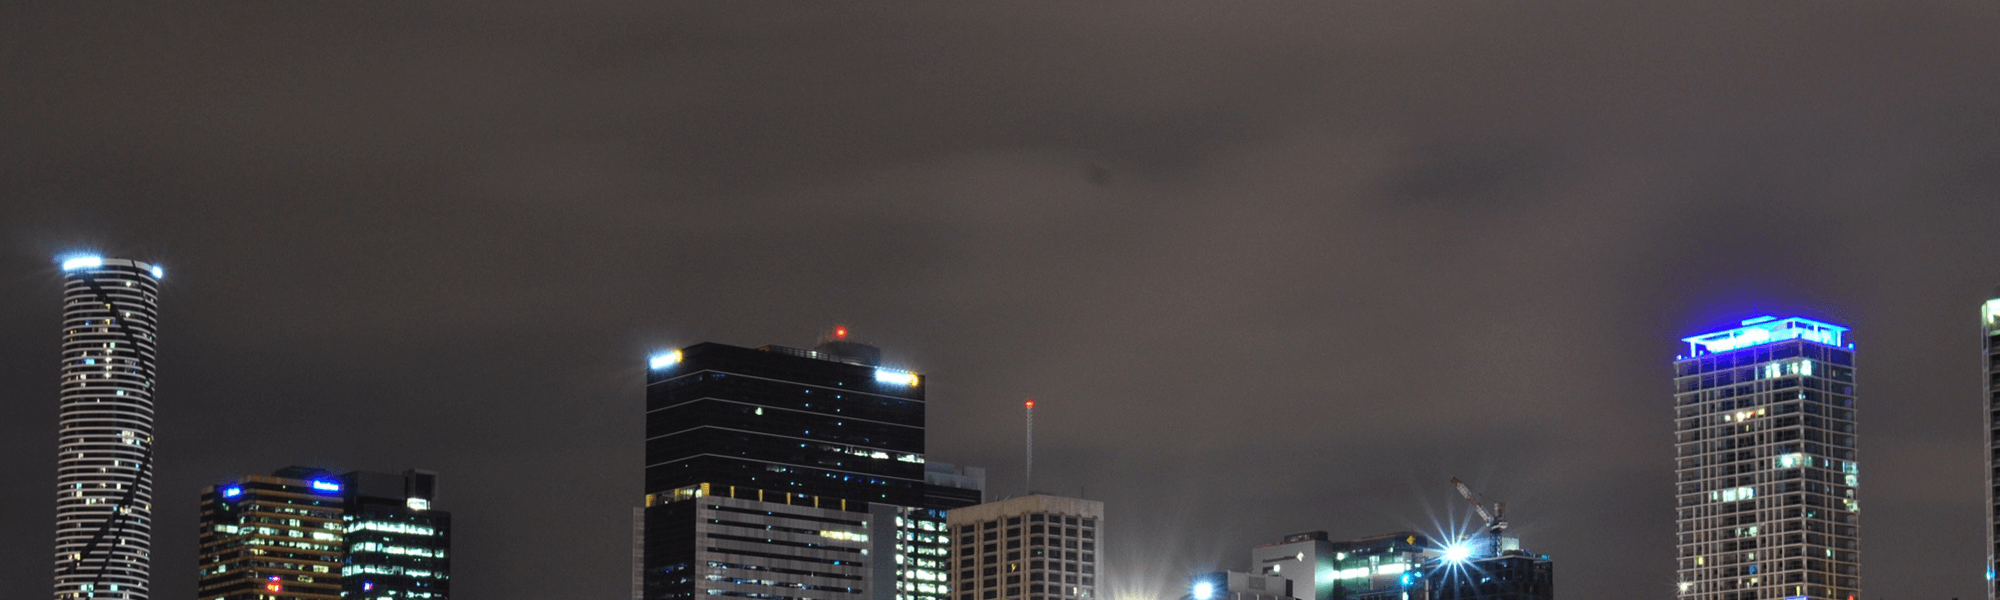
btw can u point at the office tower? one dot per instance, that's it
(782, 473)
(1990, 316)
(1764, 426)
(398, 542)
(276, 537)
(311, 534)
(1034, 547)
(104, 456)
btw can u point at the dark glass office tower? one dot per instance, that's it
(780, 473)
(1764, 428)
(398, 543)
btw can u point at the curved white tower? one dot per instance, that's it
(104, 465)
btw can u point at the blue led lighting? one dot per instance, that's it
(83, 262)
(1764, 330)
(326, 485)
(159, 273)
(1204, 591)
(232, 491)
(662, 361)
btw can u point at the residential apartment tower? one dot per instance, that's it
(1764, 420)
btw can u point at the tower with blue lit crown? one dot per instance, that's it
(1765, 469)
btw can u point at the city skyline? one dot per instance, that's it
(1266, 268)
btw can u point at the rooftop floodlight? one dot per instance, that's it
(83, 262)
(662, 361)
(1458, 552)
(895, 377)
(1204, 591)
(159, 273)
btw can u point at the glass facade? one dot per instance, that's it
(1766, 470)
(398, 543)
(309, 534)
(272, 538)
(923, 554)
(776, 421)
(786, 474)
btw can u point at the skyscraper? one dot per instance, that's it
(780, 473)
(276, 537)
(1990, 319)
(1034, 547)
(309, 534)
(104, 456)
(398, 543)
(1764, 435)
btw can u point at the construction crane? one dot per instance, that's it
(1496, 520)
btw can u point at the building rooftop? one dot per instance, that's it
(1764, 330)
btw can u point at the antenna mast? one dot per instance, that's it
(1028, 484)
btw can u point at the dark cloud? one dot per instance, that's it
(1269, 266)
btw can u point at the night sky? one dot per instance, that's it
(1266, 266)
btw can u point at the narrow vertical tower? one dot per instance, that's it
(1990, 326)
(1765, 463)
(1028, 481)
(104, 460)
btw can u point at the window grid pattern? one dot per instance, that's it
(1766, 474)
(1029, 556)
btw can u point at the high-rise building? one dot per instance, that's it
(310, 534)
(1990, 319)
(1034, 547)
(104, 456)
(1764, 428)
(398, 542)
(783, 474)
(275, 537)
